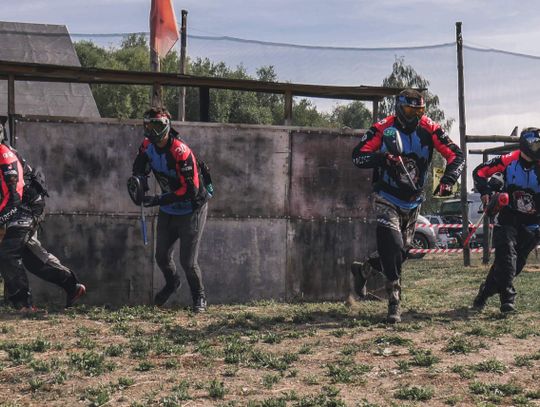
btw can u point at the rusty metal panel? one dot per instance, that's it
(241, 260)
(105, 252)
(320, 254)
(325, 183)
(249, 165)
(86, 165)
(253, 248)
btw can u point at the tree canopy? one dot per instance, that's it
(226, 106)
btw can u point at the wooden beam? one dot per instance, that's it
(75, 74)
(491, 139)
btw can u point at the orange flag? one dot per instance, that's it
(163, 28)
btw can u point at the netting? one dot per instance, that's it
(501, 88)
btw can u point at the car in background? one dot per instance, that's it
(447, 237)
(452, 238)
(424, 237)
(452, 207)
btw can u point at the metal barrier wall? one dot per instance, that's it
(289, 215)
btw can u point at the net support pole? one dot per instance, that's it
(182, 67)
(463, 141)
(156, 98)
(11, 110)
(486, 238)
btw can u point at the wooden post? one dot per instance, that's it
(375, 110)
(288, 108)
(11, 110)
(183, 42)
(204, 103)
(156, 99)
(486, 238)
(463, 142)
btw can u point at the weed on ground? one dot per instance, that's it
(266, 353)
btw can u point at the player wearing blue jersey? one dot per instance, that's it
(398, 184)
(182, 203)
(517, 230)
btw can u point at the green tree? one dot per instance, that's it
(405, 76)
(354, 115)
(226, 106)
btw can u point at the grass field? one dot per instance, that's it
(270, 354)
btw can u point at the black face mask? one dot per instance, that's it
(156, 130)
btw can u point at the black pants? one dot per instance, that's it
(21, 251)
(512, 244)
(189, 229)
(395, 230)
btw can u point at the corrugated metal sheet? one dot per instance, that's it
(49, 44)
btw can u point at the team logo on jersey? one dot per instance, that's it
(181, 149)
(524, 202)
(9, 154)
(412, 169)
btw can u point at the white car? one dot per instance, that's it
(424, 237)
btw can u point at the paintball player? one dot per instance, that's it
(182, 205)
(399, 148)
(517, 231)
(22, 202)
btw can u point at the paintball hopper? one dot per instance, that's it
(392, 141)
(496, 182)
(498, 201)
(136, 188)
(394, 146)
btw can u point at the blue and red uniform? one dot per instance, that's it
(11, 183)
(396, 201)
(522, 183)
(183, 210)
(517, 230)
(177, 173)
(21, 209)
(417, 154)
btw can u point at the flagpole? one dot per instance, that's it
(183, 41)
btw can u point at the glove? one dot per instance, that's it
(152, 200)
(443, 190)
(391, 160)
(5, 218)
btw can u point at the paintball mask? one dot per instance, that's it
(156, 127)
(410, 107)
(529, 143)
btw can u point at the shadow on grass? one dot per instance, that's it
(458, 314)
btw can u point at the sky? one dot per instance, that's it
(506, 24)
(500, 91)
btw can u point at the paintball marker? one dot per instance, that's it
(497, 201)
(394, 146)
(137, 186)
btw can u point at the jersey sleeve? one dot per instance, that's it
(367, 152)
(187, 173)
(11, 185)
(141, 164)
(453, 155)
(485, 170)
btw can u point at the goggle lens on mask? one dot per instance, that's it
(411, 112)
(158, 126)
